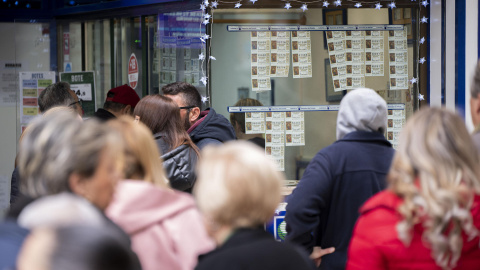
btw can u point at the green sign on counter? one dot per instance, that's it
(83, 84)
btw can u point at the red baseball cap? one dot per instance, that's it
(125, 95)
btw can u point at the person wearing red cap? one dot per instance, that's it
(120, 100)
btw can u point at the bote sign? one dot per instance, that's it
(133, 71)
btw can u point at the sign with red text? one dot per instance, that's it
(133, 71)
(66, 46)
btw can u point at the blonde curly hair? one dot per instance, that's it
(436, 172)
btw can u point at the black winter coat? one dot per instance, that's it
(254, 249)
(179, 164)
(323, 208)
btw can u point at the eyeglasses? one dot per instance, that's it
(187, 107)
(80, 102)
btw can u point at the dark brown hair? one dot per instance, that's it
(162, 114)
(189, 93)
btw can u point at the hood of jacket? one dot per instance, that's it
(361, 110)
(138, 205)
(211, 126)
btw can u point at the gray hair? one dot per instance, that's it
(57, 145)
(60, 210)
(56, 94)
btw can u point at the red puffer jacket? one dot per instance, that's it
(375, 243)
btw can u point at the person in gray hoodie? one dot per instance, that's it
(323, 208)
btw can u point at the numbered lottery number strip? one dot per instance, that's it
(260, 59)
(355, 59)
(374, 53)
(254, 122)
(337, 53)
(398, 59)
(395, 123)
(301, 54)
(275, 138)
(294, 128)
(280, 53)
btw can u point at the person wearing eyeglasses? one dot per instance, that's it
(59, 94)
(55, 95)
(204, 127)
(120, 101)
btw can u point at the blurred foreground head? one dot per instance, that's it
(142, 159)
(75, 248)
(436, 171)
(237, 186)
(60, 153)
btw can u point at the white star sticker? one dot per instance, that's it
(357, 5)
(421, 97)
(213, 58)
(304, 7)
(424, 19)
(206, 21)
(392, 5)
(214, 4)
(287, 6)
(205, 36)
(413, 80)
(325, 3)
(238, 5)
(201, 56)
(277, 212)
(422, 60)
(205, 99)
(204, 80)
(422, 40)
(253, 1)
(202, 7)
(378, 6)
(338, 3)
(425, 3)
(205, 2)
(202, 40)
(207, 16)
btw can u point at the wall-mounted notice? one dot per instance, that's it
(301, 54)
(31, 85)
(398, 59)
(83, 84)
(260, 60)
(8, 83)
(254, 122)
(280, 53)
(374, 53)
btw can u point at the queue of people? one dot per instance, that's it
(157, 183)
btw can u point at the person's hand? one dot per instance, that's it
(318, 253)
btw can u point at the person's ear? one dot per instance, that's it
(194, 114)
(77, 184)
(127, 110)
(237, 127)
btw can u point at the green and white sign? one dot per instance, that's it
(83, 84)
